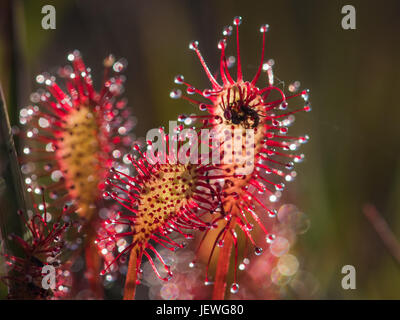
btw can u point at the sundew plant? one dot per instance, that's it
(209, 150)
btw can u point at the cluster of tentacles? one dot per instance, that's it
(258, 118)
(166, 195)
(73, 135)
(79, 134)
(42, 246)
(163, 197)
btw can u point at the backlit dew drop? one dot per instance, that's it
(191, 90)
(283, 105)
(264, 28)
(227, 31)
(273, 198)
(175, 94)
(258, 251)
(120, 65)
(221, 44)
(237, 21)
(305, 94)
(272, 213)
(202, 107)
(304, 139)
(307, 107)
(234, 288)
(179, 79)
(193, 45)
(270, 238)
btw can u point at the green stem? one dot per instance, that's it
(12, 195)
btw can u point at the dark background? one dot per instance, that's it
(354, 76)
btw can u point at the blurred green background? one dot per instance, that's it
(354, 76)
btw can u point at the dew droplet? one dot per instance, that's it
(305, 94)
(258, 251)
(283, 105)
(221, 44)
(191, 90)
(207, 93)
(273, 198)
(202, 107)
(175, 94)
(304, 139)
(272, 213)
(289, 165)
(227, 31)
(237, 21)
(179, 79)
(193, 45)
(270, 238)
(307, 107)
(264, 28)
(299, 158)
(234, 288)
(119, 66)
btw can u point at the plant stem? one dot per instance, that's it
(93, 265)
(130, 282)
(221, 273)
